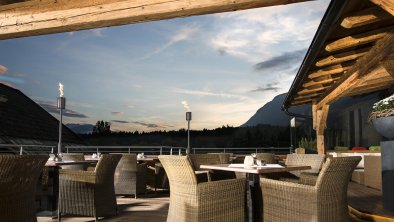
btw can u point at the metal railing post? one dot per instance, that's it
(161, 150)
(21, 151)
(171, 151)
(97, 150)
(129, 149)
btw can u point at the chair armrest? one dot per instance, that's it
(308, 178)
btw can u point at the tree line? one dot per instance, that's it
(226, 136)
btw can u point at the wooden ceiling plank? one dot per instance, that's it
(331, 70)
(73, 15)
(357, 40)
(383, 49)
(387, 5)
(342, 57)
(365, 17)
(372, 88)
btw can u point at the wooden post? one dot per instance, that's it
(320, 124)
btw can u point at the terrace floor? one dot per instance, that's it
(154, 207)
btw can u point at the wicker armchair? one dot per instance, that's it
(324, 202)
(190, 201)
(267, 157)
(89, 193)
(209, 175)
(130, 177)
(74, 157)
(19, 176)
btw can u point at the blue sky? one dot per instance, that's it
(225, 66)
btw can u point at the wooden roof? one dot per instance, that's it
(352, 53)
(22, 121)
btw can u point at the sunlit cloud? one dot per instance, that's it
(98, 32)
(3, 69)
(115, 113)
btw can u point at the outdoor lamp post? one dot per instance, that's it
(61, 104)
(188, 119)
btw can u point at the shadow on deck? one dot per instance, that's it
(154, 208)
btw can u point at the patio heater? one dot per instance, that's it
(61, 104)
(188, 119)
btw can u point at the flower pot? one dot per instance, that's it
(385, 126)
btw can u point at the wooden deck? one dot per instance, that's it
(154, 207)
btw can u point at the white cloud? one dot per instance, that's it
(209, 93)
(182, 34)
(256, 35)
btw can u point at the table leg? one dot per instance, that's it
(254, 198)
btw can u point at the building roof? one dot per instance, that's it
(23, 121)
(351, 53)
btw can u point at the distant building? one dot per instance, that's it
(22, 121)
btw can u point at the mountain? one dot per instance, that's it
(272, 114)
(80, 128)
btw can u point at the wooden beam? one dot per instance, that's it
(387, 5)
(365, 17)
(357, 40)
(308, 91)
(321, 116)
(313, 83)
(383, 48)
(342, 57)
(330, 70)
(314, 116)
(388, 64)
(39, 17)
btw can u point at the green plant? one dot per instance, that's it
(308, 144)
(375, 148)
(341, 148)
(383, 108)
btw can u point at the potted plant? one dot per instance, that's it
(382, 117)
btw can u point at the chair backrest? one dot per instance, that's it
(267, 157)
(18, 180)
(128, 163)
(314, 160)
(203, 159)
(105, 169)
(179, 171)
(331, 186)
(336, 173)
(224, 158)
(74, 157)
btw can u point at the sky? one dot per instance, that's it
(223, 67)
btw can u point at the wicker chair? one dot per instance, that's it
(324, 202)
(130, 177)
(190, 201)
(19, 176)
(74, 157)
(89, 193)
(209, 175)
(267, 157)
(314, 160)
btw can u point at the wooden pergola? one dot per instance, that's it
(352, 54)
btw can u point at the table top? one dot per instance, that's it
(51, 163)
(269, 168)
